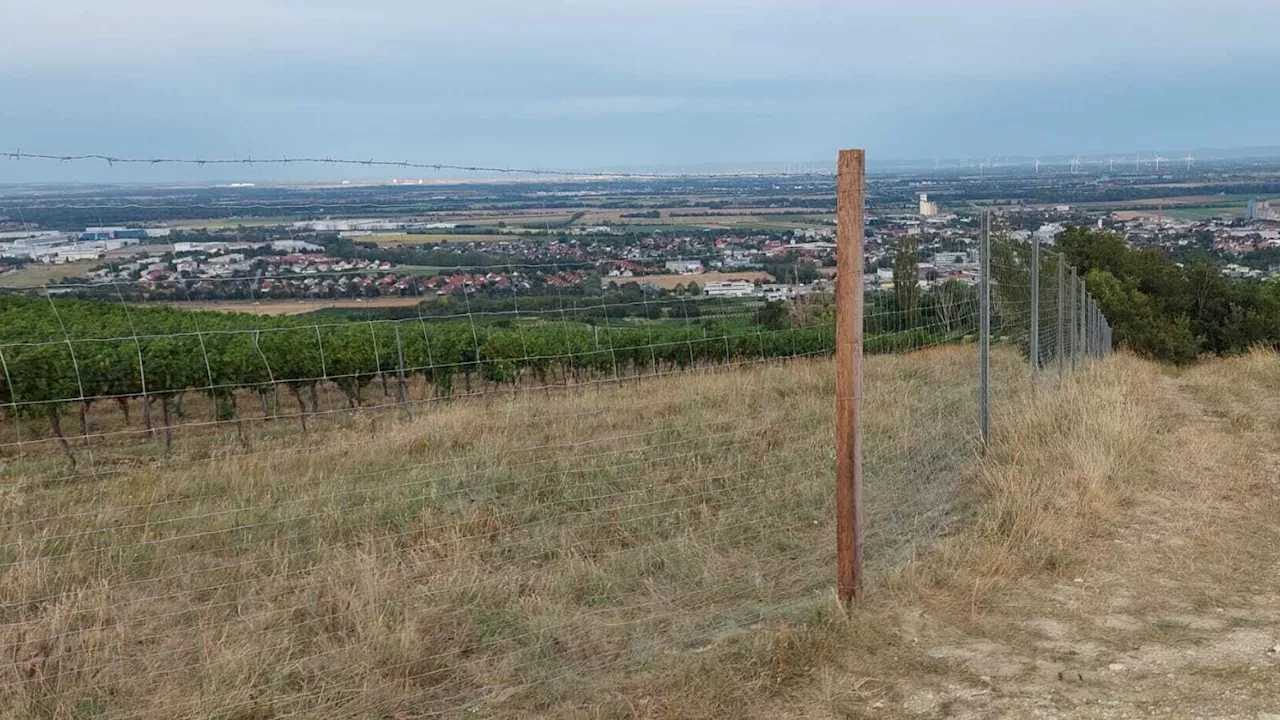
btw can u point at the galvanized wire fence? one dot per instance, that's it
(514, 496)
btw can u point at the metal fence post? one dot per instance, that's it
(1086, 346)
(1089, 325)
(1093, 327)
(1084, 318)
(850, 217)
(984, 329)
(400, 380)
(1073, 322)
(1102, 325)
(1062, 316)
(1035, 306)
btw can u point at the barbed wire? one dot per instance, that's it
(405, 164)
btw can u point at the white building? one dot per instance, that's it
(1266, 210)
(73, 253)
(1049, 233)
(951, 260)
(352, 224)
(684, 267)
(774, 292)
(730, 288)
(204, 247)
(295, 246)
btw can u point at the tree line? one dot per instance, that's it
(1172, 311)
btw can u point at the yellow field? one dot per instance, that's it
(40, 274)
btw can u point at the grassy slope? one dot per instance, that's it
(513, 554)
(654, 549)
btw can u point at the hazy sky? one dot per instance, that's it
(581, 84)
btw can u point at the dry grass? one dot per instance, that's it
(1061, 465)
(1120, 562)
(37, 274)
(657, 547)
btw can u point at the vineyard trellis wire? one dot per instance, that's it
(466, 510)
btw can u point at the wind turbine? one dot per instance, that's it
(1137, 162)
(1190, 160)
(1158, 159)
(1111, 165)
(1037, 166)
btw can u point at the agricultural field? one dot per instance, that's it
(232, 223)
(72, 360)
(397, 238)
(1182, 213)
(37, 274)
(295, 307)
(1205, 213)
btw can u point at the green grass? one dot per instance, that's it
(230, 223)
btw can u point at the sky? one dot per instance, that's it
(607, 84)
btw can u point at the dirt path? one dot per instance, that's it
(1176, 612)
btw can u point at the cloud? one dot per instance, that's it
(587, 83)
(699, 38)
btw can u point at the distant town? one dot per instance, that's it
(749, 244)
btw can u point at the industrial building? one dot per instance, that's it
(927, 209)
(1264, 210)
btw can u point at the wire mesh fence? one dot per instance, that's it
(507, 496)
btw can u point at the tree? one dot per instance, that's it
(951, 299)
(1169, 311)
(774, 315)
(906, 280)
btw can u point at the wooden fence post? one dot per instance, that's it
(850, 217)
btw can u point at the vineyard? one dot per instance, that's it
(64, 358)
